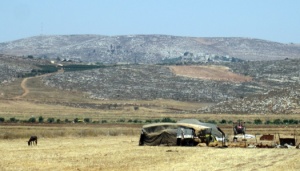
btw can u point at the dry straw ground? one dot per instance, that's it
(212, 72)
(123, 153)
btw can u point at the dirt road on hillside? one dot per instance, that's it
(24, 88)
(24, 84)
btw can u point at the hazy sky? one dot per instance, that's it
(274, 20)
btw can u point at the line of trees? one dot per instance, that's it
(41, 119)
(167, 119)
(266, 122)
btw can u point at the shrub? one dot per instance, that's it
(257, 121)
(277, 122)
(13, 119)
(156, 120)
(223, 121)
(148, 121)
(168, 120)
(87, 120)
(211, 121)
(268, 122)
(136, 108)
(286, 121)
(41, 119)
(137, 121)
(2, 119)
(121, 120)
(50, 120)
(130, 120)
(103, 121)
(32, 120)
(76, 120)
(58, 121)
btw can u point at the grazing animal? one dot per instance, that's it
(32, 140)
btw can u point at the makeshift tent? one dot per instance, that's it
(171, 134)
(214, 129)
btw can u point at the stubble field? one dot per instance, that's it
(123, 153)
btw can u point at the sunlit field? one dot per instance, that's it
(123, 153)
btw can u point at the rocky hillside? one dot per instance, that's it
(148, 49)
(11, 67)
(280, 81)
(145, 82)
(274, 88)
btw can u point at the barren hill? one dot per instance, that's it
(234, 87)
(147, 49)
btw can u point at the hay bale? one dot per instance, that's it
(202, 145)
(213, 144)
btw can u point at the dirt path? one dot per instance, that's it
(24, 84)
(24, 88)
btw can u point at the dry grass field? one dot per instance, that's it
(212, 72)
(123, 153)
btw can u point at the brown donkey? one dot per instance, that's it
(32, 140)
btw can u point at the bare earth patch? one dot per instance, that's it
(212, 72)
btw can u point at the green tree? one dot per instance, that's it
(277, 122)
(32, 120)
(50, 120)
(76, 120)
(148, 121)
(211, 121)
(286, 121)
(87, 120)
(168, 120)
(257, 121)
(268, 122)
(13, 119)
(223, 121)
(41, 119)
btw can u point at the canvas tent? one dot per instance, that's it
(185, 132)
(214, 130)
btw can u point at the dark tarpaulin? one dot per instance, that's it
(166, 133)
(165, 137)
